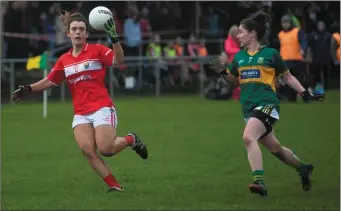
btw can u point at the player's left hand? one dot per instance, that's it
(217, 65)
(110, 28)
(22, 91)
(308, 97)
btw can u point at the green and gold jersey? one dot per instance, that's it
(257, 74)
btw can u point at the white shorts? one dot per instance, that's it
(103, 116)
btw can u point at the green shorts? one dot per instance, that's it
(267, 114)
(271, 110)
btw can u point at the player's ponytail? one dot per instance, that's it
(68, 18)
(262, 18)
(257, 22)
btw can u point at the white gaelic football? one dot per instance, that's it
(98, 17)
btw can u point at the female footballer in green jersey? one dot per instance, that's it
(257, 69)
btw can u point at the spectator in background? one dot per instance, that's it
(201, 49)
(154, 49)
(213, 30)
(335, 53)
(132, 35)
(23, 8)
(59, 27)
(299, 15)
(48, 22)
(335, 47)
(196, 49)
(179, 48)
(169, 53)
(231, 45)
(131, 7)
(319, 43)
(332, 21)
(296, 22)
(154, 52)
(33, 17)
(312, 17)
(192, 46)
(213, 23)
(79, 7)
(132, 40)
(293, 46)
(144, 22)
(34, 26)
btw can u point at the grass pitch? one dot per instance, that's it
(197, 158)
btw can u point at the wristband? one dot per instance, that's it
(116, 39)
(223, 72)
(28, 87)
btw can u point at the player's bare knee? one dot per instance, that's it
(106, 153)
(105, 150)
(247, 139)
(105, 140)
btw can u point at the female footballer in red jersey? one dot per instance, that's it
(84, 68)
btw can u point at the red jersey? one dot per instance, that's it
(85, 75)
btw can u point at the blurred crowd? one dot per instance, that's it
(166, 31)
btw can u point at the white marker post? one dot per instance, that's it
(45, 98)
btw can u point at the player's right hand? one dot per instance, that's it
(308, 97)
(21, 92)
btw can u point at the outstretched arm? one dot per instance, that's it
(55, 77)
(42, 85)
(282, 71)
(24, 90)
(292, 81)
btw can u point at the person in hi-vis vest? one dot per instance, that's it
(335, 48)
(335, 54)
(155, 55)
(293, 46)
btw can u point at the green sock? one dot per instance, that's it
(302, 167)
(258, 175)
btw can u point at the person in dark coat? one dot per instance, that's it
(319, 43)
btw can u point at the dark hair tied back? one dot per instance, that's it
(262, 18)
(257, 22)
